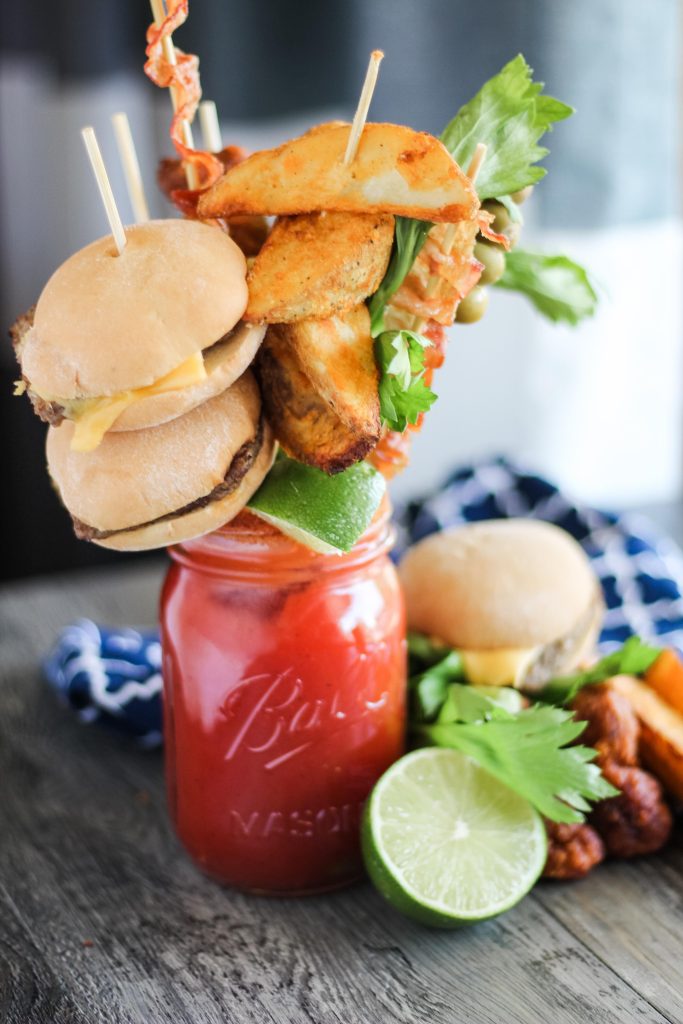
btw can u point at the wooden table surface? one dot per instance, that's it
(102, 917)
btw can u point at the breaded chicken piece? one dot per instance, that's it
(573, 850)
(636, 822)
(395, 170)
(337, 357)
(318, 264)
(612, 728)
(306, 425)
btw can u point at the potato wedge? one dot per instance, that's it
(318, 264)
(661, 732)
(337, 357)
(396, 170)
(306, 426)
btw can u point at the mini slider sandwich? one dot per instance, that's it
(516, 598)
(124, 342)
(162, 485)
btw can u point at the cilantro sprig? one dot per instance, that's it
(633, 659)
(403, 394)
(558, 287)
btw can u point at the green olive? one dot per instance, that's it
(473, 306)
(493, 258)
(521, 196)
(501, 218)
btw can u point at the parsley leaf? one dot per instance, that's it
(429, 690)
(529, 752)
(403, 394)
(633, 659)
(509, 114)
(558, 287)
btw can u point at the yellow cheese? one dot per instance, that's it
(504, 667)
(94, 416)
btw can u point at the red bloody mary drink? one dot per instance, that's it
(284, 676)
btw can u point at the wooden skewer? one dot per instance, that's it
(361, 114)
(131, 167)
(102, 179)
(158, 13)
(434, 282)
(211, 129)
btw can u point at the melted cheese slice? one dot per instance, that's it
(93, 417)
(504, 667)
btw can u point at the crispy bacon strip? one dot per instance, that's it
(183, 78)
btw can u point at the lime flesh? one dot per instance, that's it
(446, 843)
(325, 513)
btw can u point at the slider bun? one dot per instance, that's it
(223, 362)
(507, 583)
(135, 477)
(202, 520)
(106, 323)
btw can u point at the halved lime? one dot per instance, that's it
(325, 513)
(446, 843)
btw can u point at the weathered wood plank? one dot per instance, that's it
(87, 856)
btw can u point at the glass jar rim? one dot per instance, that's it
(253, 550)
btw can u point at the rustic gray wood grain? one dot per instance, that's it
(103, 919)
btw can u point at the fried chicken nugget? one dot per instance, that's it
(573, 850)
(612, 728)
(318, 264)
(636, 822)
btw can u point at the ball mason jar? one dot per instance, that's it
(284, 701)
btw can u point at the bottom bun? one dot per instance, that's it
(202, 520)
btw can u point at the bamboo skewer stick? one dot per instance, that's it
(131, 167)
(158, 13)
(102, 179)
(361, 114)
(434, 282)
(211, 129)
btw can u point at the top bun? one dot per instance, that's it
(506, 583)
(106, 323)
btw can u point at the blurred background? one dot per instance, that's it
(598, 408)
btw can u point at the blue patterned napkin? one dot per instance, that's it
(114, 676)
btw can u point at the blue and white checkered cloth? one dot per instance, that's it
(113, 676)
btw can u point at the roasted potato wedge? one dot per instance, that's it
(395, 170)
(306, 426)
(661, 732)
(337, 357)
(318, 264)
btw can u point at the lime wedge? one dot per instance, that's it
(325, 513)
(446, 843)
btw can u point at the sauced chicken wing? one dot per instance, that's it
(636, 822)
(337, 357)
(305, 424)
(395, 170)
(612, 724)
(318, 264)
(573, 850)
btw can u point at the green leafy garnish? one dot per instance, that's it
(409, 237)
(403, 394)
(528, 752)
(423, 652)
(428, 690)
(509, 114)
(559, 288)
(633, 659)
